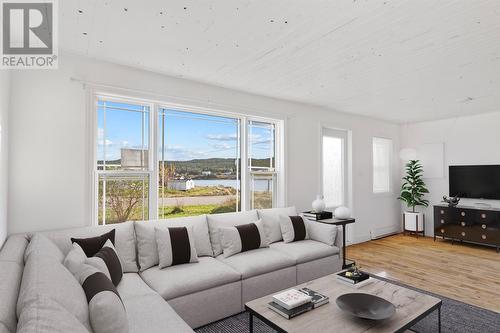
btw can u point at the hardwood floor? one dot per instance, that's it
(468, 273)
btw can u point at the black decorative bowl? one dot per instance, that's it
(366, 306)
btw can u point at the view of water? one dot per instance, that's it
(260, 184)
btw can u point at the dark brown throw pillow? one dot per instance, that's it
(92, 245)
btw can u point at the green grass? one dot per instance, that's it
(201, 191)
(183, 211)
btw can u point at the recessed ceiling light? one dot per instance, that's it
(125, 9)
(85, 34)
(80, 11)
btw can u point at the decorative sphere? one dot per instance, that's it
(342, 212)
(318, 205)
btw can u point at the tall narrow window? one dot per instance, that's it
(262, 164)
(334, 167)
(382, 170)
(122, 167)
(199, 164)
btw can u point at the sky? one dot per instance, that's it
(187, 136)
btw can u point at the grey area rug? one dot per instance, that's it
(456, 317)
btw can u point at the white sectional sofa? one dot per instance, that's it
(174, 299)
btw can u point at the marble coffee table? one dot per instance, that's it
(411, 307)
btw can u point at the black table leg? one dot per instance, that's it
(251, 322)
(343, 247)
(439, 319)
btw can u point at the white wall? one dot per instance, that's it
(4, 106)
(467, 140)
(49, 143)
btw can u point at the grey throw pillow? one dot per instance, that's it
(293, 228)
(175, 246)
(243, 237)
(106, 310)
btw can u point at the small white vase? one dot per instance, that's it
(342, 212)
(318, 205)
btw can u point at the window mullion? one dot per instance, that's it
(245, 188)
(153, 162)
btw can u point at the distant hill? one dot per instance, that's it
(196, 166)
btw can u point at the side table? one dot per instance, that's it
(343, 223)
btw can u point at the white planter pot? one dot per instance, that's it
(411, 221)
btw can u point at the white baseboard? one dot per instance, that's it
(384, 231)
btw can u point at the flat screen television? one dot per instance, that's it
(475, 181)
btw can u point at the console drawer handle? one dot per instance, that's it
(442, 212)
(462, 213)
(483, 236)
(442, 221)
(463, 224)
(483, 216)
(463, 234)
(442, 231)
(483, 226)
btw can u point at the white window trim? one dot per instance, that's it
(157, 103)
(391, 169)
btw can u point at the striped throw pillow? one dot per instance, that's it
(293, 228)
(243, 237)
(175, 246)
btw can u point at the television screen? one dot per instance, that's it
(475, 181)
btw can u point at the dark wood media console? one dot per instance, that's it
(468, 224)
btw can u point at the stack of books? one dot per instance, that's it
(355, 279)
(293, 302)
(318, 216)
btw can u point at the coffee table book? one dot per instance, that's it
(289, 314)
(317, 298)
(291, 298)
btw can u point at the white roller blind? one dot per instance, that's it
(382, 157)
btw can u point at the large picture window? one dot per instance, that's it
(154, 161)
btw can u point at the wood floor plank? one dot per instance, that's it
(465, 272)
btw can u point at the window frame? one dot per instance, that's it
(390, 191)
(155, 105)
(344, 135)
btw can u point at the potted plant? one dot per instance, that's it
(412, 193)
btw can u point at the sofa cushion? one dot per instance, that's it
(46, 277)
(185, 279)
(132, 285)
(150, 313)
(305, 250)
(13, 249)
(271, 219)
(41, 245)
(106, 309)
(257, 262)
(124, 241)
(322, 232)
(147, 251)
(10, 277)
(175, 246)
(242, 238)
(76, 257)
(46, 315)
(216, 221)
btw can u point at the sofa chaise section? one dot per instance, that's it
(11, 271)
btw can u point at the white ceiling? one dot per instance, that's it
(403, 61)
